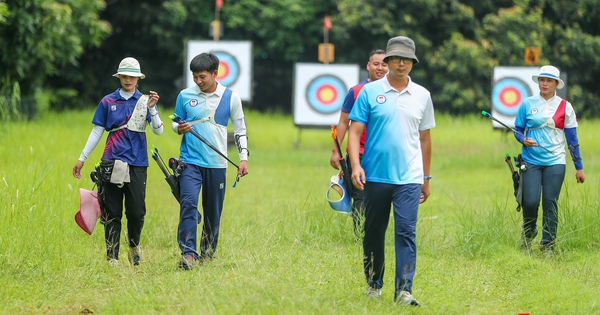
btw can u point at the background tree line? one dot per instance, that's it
(61, 54)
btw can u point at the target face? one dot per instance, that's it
(508, 93)
(326, 93)
(235, 64)
(229, 68)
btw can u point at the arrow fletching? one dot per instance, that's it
(174, 117)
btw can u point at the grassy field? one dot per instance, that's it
(282, 250)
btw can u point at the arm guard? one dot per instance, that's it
(573, 142)
(241, 139)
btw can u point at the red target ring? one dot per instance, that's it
(327, 94)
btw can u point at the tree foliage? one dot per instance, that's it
(459, 42)
(282, 33)
(39, 38)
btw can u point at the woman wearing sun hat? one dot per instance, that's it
(546, 120)
(124, 113)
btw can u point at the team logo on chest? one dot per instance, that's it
(113, 108)
(534, 111)
(193, 103)
(380, 99)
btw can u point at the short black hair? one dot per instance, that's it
(376, 52)
(204, 62)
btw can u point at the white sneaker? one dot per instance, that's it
(113, 262)
(373, 293)
(405, 298)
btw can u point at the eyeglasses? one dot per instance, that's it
(396, 59)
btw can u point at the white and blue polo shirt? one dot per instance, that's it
(192, 105)
(393, 120)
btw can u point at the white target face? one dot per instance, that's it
(229, 68)
(508, 93)
(511, 85)
(235, 64)
(319, 92)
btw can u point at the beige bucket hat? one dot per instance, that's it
(131, 67)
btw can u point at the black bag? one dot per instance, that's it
(100, 175)
(105, 170)
(517, 176)
(522, 167)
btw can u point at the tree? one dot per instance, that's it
(574, 47)
(40, 37)
(458, 69)
(458, 43)
(282, 33)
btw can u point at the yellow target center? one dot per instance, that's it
(510, 97)
(326, 95)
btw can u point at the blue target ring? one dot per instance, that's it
(229, 68)
(326, 93)
(508, 93)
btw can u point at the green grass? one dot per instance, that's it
(282, 250)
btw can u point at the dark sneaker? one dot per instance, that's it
(135, 255)
(205, 260)
(527, 239)
(187, 262)
(547, 250)
(405, 298)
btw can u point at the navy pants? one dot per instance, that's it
(544, 181)
(134, 194)
(379, 199)
(211, 181)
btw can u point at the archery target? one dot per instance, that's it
(508, 93)
(325, 93)
(235, 64)
(229, 68)
(319, 92)
(510, 86)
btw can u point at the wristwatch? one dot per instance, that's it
(428, 177)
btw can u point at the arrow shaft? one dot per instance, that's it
(197, 135)
(514, 130)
